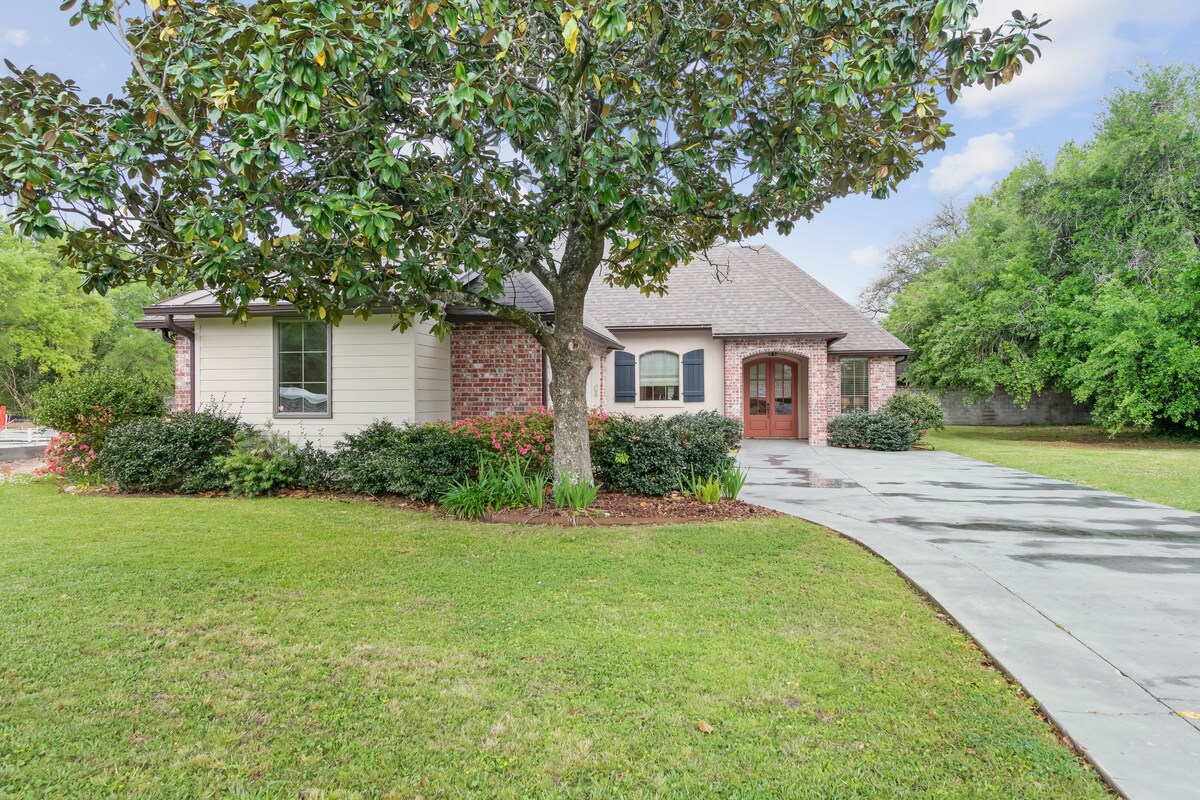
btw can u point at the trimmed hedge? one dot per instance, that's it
(419, 461)
(178, 454)
(875, 430)
(650, 455)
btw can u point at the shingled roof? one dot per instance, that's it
(521, 290)
(744, 291)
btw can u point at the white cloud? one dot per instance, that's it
(17, 37)
(976, 166)
(1091, 39)
(869, 256)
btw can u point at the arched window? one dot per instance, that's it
(658, 376)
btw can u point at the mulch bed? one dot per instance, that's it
(610, 508)
(622, 509)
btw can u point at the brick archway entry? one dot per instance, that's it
(774, 405)
(812, 359)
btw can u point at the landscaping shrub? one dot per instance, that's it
(316, 469)
(91, 404)
(528, 435)
(876, 430)
(515, 483)
(849, 429)
(418, 461)
(182, 453)
(69, 456)
(922, 411)
(261, 463)
(650, 455)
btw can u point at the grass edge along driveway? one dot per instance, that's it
(1165, 471)
(175, 647)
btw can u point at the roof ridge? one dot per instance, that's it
(850, 306)
(786, 290)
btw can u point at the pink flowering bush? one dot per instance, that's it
(528, 435)
(69, 456)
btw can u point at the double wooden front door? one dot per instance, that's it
(772, 405)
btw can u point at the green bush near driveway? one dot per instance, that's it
(920, 409)
(200, 647)
(875, 430)
(650, 455)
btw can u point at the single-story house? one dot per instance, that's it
(743, 332)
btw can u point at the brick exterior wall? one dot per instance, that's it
(183, 375)
(815, 353)
(882, 375)
(495, 367)
(601, 354)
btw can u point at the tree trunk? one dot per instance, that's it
(569, 370)
(570, 362)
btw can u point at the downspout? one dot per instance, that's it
(545, 379)
(191, 337)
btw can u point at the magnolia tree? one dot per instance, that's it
(359, 157)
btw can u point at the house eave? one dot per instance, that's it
(829, 336)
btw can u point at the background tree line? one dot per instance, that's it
(49, 329)
(1082, 275)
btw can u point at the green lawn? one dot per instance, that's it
(314, 648)
(1160, 470)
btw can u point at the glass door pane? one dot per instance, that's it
(756, 390)
(783, 389)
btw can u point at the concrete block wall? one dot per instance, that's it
(1047, 408)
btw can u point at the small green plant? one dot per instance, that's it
(705, 489)
(732, 478)
(709, 490)
(535, 490)
(574, 496)
(261, 464)
(467, 500)
(503, 483)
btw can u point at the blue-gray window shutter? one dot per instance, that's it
(624, 383)
(693, 377)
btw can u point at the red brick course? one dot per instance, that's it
(495, 367)
(183, 375)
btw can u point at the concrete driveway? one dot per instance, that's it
(1091, 600)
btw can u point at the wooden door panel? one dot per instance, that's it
(771, 403)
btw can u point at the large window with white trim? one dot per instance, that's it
(302, 368)
(856, 384)
(658, 376)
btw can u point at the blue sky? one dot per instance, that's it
(1095, 44)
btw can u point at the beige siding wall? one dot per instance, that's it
(377, 373)
(677, 342)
